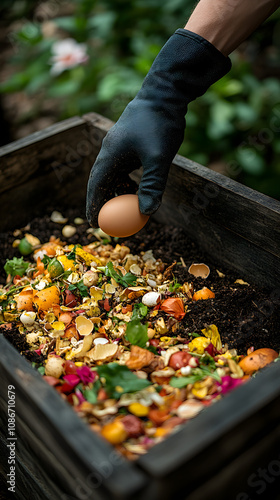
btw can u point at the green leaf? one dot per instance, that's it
(41, 370)
(136, 333)
(72, 254)
(16, 267)
(119, 380)
(174, 285)
(64, 88)
(15, 83)
(91, 394)
(193, 334)
(184, 381)
(197, 375)
(81, 287)
(67, 23)
(46, 260)
(139, 311)
(251, 161)
(127, 280)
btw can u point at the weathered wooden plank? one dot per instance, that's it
(225, 247)
(245, 474)
(215, 439)
(48, 169)
(194, 192)
(200, 192)
(56, 440)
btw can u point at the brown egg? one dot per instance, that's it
(121, 216)
(257, 360)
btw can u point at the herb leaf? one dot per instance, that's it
(81, 287)
(16, 267)
(119, 380)
(127, 280)
(183, 381)
(136, 333)
(139, 311)
(91, 394)
(174, 285)
(72, 254)
(46, 260)
(198, 374)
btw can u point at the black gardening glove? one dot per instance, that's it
(151, 128)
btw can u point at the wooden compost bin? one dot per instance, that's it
(221, 452)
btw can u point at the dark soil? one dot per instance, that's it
(244, 314)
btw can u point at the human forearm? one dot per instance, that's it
(226, 23)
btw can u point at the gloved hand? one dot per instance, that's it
(151, 128)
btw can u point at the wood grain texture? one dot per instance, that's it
(217, 437)
(240, 228)
(54, 443)
(48, 168)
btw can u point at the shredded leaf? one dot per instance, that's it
(16, 267)
(83, 290)
(127, 280)
(139, 311)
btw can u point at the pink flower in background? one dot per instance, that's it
(67, 54)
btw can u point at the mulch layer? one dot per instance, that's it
(245, 315)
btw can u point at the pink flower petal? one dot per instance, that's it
(72, 379)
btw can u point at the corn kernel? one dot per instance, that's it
(138, 410)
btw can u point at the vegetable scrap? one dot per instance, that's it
(106, 327)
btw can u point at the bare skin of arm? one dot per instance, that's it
(227, 23)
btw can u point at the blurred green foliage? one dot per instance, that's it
(236, 124)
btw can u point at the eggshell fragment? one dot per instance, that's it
(68, 231)
(189, 409)
(84, 325)
(199, 270)
(151, 299)
(102, 352)
(121, 216)
(28, 318)
(257, 360)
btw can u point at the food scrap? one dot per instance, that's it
(107, 329)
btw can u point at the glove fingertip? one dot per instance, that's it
(148, 204)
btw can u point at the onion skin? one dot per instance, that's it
(257, 360)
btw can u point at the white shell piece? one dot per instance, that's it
(151, 299)
(186, 370)
(151, 282)
(100, 340)
(68, 231)
(28, 318)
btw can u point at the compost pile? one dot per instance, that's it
(136, 340)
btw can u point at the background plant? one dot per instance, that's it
(233, 128)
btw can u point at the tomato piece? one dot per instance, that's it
(179, 359)
(158, 416)
(70, 367)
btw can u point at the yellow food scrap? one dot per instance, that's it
(212, 333)
(87, 257)
(199, 344)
